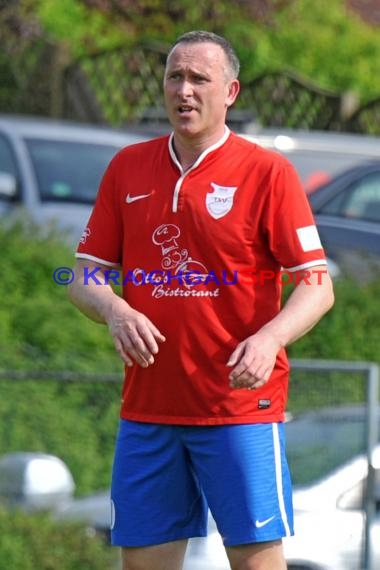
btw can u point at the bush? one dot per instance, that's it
(350, 330)
(37, 543)
(37, 322)
(41, 331)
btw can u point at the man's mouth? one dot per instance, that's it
(184, 109)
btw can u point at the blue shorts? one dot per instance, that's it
(165, 477)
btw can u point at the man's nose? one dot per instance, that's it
(185, 88)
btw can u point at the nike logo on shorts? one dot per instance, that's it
(129, 199)
(259, 524)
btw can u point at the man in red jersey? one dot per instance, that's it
(201, 222)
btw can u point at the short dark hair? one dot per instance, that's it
(202, 36)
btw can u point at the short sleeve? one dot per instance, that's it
(102, 238)
(289, 223)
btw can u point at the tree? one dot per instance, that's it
(166, 13)
(259, 9)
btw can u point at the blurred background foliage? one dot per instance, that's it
(37, 542)
(325, 41)
(39, 328)
(41, 331)
(102, 60)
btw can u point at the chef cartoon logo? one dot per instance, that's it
(180, 275)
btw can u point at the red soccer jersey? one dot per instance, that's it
(194, 247)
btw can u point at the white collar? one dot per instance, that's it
(218, 144)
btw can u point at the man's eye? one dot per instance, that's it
(199, 79)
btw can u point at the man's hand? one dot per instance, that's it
(253, 360)
(136, 338)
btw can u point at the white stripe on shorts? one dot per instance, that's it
(278, 466)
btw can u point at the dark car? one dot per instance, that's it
(347, 212)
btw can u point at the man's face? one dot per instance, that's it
(198, 90)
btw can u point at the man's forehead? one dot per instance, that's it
(198, 53)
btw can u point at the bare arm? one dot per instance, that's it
(254, 358)
(136, 338)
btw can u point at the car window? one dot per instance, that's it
(361, 200)
(9, 175)
(69, 171)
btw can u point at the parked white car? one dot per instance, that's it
(51, 170)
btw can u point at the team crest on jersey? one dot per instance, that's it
(220, 201)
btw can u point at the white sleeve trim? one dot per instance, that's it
(313, 263)
(79, 255)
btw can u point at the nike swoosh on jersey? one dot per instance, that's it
(129, 199)
(259, 524)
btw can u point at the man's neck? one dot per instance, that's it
(189, 150)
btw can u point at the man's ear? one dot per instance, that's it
(233, 92)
